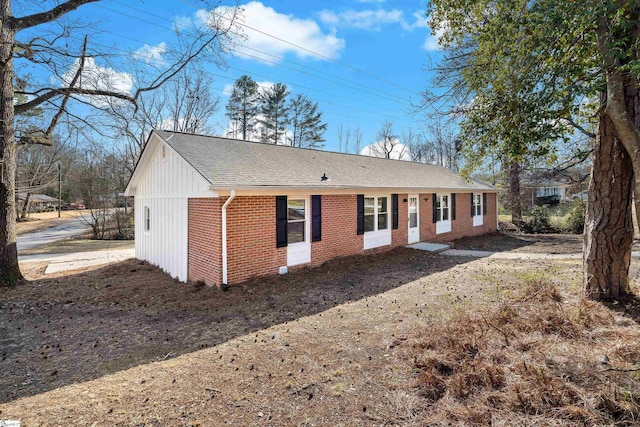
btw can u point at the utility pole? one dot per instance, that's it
(59, 191)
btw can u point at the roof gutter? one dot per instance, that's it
(224, 240)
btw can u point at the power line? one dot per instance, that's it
(319, 55)
(244, 71)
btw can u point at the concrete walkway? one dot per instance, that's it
(66, 262)
(515, 255)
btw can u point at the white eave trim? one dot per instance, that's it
(265, 191)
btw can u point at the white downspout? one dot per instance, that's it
(224, 239)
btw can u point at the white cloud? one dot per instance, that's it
(371, 20)
(227, 90)
(151, 54)
(431, 43)
(419, 21)
(396, 150)
(266, 20)
(95, 77)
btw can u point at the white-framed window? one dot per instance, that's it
(477, 204)
(147, 218)
(376, 213)
(296, 220)
(442, 207)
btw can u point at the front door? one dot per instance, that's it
(414, 220)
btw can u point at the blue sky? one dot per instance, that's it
(373, 60)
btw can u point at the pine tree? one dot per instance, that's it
(243, 106)
(274, 111)
(307, 128)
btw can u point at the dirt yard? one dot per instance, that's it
(314, 347)
(531, 243)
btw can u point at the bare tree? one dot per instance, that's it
(387, 144)
(344, 137)
(442, 146)
(357, 138)
(37, 169)
(191, 104)
(77, 80)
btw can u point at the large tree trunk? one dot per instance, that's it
(514, 191)
(608, 225)
(9, 269)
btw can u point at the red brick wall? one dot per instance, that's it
(339, 229)
(205, 240)
(427, 226)
(251, 238)
(251, 233)
(399, 237)
(462, 226)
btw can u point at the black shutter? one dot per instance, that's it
(484, 203)
(453, 206)
(472, 210)
(281, 221)
(316, 218)
(394, 210)
(435, 209)
(360, 213)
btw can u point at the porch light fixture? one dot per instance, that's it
(324, 177)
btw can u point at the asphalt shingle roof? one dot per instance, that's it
(230, 163)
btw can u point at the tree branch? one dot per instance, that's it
(48, 16)
(52, 93)
(63, 105)
(585, 132)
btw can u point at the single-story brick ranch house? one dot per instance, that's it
(221, 210)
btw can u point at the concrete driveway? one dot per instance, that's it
(68, 261)
(73, 261)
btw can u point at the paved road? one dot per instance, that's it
(69, 228)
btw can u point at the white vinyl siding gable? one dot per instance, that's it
(161, 209)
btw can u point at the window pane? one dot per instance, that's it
(413, 204)
(445, 214)
(295, 232)
(368, 222)
(296, 209)
(369, 206)
(382, 204)
(413, 219)
(382, 221)
(445, 201)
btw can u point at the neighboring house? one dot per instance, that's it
(37, 202)
(222, 210)
(583, 195)
(551, 193)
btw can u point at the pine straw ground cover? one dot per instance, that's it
(535, 359)
(404, 339)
